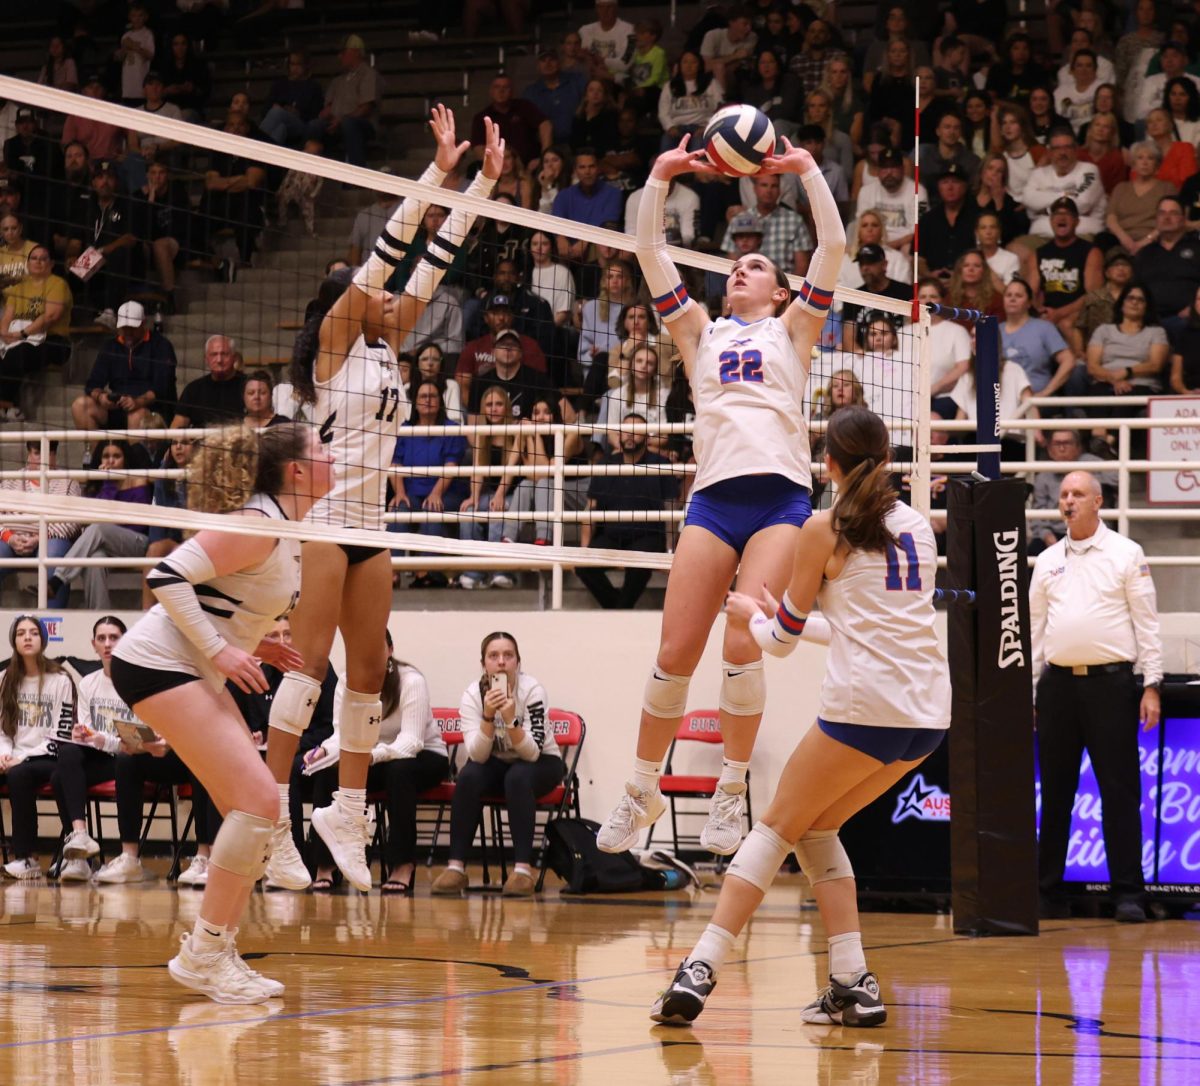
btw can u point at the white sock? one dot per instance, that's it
(712, 947)
(352, 801)
(846, 959)
(284, 789)
(456, 865)
(733, 773)
(525, 869)
(208, 938)
(646, 774)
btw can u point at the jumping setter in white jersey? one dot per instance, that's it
(885, 706)
(752, 492)
(348, 368)
(219, 595)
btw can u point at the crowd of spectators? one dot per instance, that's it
(1060, 196)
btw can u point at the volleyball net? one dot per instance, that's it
(187, 264)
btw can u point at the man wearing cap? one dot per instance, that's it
(31, 155)
(1097, 308)
(102, 140)
(1169, 268)
(948, 150)
(856, 319)
(890, 194)
(141, 148)
(532, 315)
(480, 354)
(746, 230)
(786, 241)
(134, 373)
(556, 94)
(609, 40)
(1063, 175)
(350, 103)
(1063, 269)
(509, 372)
(110, 230)
(216, 398)
(523, 126)
(948, 228)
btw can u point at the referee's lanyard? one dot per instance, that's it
(98, 227)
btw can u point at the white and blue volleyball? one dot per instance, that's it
(738, 138)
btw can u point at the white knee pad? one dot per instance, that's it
(760, 857)
(358, 727)
(243, 845)
(294, 702)
(743, 688)
(666, 695)
(822, 857)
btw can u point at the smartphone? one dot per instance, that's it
(500, 682)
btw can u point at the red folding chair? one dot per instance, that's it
(701, 726)
(440, 795)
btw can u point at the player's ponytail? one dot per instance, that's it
(857, 441)
(308, 339)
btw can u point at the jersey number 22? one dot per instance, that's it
(740, 366)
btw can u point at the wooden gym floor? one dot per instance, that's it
(486, 990)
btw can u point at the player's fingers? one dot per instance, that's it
(684, 142)
(464, 147)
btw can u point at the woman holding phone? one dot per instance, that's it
(511, 749)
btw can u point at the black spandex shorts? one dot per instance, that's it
(135, 683)
(356, 554)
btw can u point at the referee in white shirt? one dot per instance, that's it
(1094, 622)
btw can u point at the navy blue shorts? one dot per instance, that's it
(886, 745)
(734, 509)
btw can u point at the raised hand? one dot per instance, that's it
(793, 160)
(679, 160)
(493, 150)
(449, 150)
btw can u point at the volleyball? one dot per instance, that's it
(738, 138)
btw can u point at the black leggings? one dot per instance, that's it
(403, 779)
(134, 771)
(521, 782)
(79, 768)
(23, 782)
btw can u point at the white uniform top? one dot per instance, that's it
(242, 607)
(748, 388)
(1092, 601)
(360, 411)
(885, 666)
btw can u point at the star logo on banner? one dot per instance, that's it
(925, 802)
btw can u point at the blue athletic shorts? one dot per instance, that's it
(734, 509)
(886, 745)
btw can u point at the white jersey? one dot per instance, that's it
(748, 388)
(885, 666)
(242, 607)
(360, 411)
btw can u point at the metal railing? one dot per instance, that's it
(946, 460)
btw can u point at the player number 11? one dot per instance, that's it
(912, 580)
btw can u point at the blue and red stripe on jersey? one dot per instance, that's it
(670, 304)
(814, 297)
(793, 624)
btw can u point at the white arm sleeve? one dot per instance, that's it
(396, 237)
(662, 277)
(817, 293)
(446, 246)
(173, 583)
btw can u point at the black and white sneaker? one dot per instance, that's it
(857, 1004)
(682, 1002)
